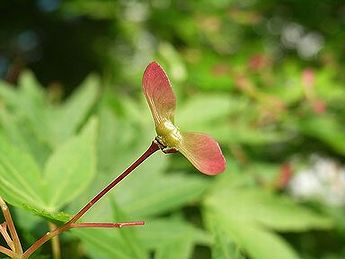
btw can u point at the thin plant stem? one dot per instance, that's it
(152, 148)
(44, 239)
(7, 251)
(68, 225)
(3, 231)
(55, 242)
(9, 222)
(107, 225)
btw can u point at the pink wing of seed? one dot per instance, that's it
(158, 93)
(203, 152)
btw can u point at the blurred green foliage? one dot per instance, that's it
(263, 77)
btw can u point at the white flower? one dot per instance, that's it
(323, 181)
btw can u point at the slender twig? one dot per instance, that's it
(106, 225)
(3, 231)
(55, 242)
(44, 239)
(7, 251)
(152, 148)
(68, 225)
(8, 218)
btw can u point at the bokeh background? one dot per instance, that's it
(265, 78)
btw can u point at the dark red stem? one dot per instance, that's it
(71, 223)
(153, 148)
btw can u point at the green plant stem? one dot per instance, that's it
(55, 242)
(12, 229)
(68, 225)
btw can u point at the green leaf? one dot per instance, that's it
(29, 94)
(288, 85)
(327, 88)
(177, 70)
(11, 131)
(223, 246)
(258, 206)
(17, 132)
(177, 248)
(68, 172)
(261, 243)
(154, 194)
(130, 233)
(249, 214)
(71, 167)
(118, 134)
(258, 242)
(30, 87)
(209, 73)
(203, 109)
(51, 216)
(71, 114)
(112, 243)
(33, 106)
(244, 133)
(105, 243)
(172, 237)
(8, 94)
(20, 180)
(26, 116)
(327, 129)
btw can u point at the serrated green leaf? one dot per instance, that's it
(33, 106)
(258, 206)
(23, 137)
(256, 241)
(71, 114)
(30, 87)
(68, 172)
(20, 180)
(249, 214)
(71, 167)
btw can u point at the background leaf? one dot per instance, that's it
(223, 246)
(70, 116)
(112, 243)
(20, 180)
(160, 234)
(71, 168)
(264, 78)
